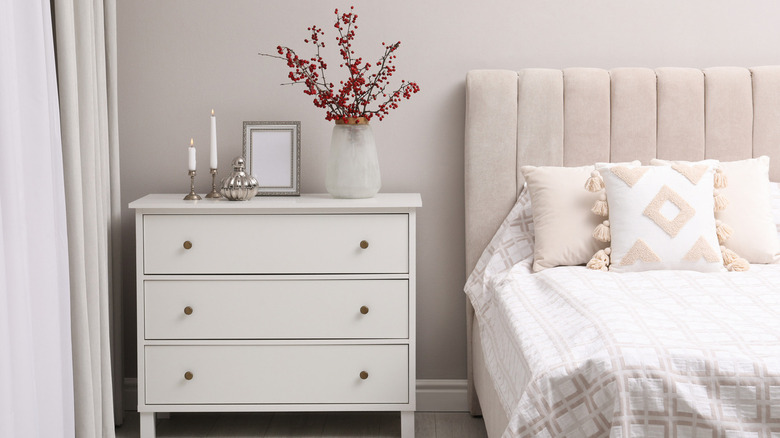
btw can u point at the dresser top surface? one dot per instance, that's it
(304, 202)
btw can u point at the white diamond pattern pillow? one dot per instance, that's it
(749, 214)
(661, 217)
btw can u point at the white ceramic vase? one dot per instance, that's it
(353, 166)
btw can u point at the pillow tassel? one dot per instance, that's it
(600, 260)
(601, 233)
(723, 230)
(600, 207)
(721, 202)
(721, 180)
(729, 256)
(738, 265)
(595, 183)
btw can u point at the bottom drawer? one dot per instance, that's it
(276, 374)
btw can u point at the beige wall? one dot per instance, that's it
(180, 58)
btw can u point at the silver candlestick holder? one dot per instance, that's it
(214, 194)
(192, 196)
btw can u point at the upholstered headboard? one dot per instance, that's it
(578, 116)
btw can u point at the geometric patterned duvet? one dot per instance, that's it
(580, 353)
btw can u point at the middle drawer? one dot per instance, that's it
(276, 309)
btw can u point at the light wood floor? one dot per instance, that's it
(315, 424)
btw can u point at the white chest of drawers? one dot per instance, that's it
(276, 304)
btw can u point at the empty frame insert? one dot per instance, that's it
(272, 151)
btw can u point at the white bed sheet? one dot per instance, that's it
(496, 419)
(579, 353)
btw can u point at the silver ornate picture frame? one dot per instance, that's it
(272, 151)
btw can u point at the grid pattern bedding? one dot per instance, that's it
(580, 353)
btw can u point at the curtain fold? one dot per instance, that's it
(86, 61)
(115, 209)
(36, 377)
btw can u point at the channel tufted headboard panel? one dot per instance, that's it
(578, 116)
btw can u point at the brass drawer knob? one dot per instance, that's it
(187, 244)
(363, 375)
(188, 310)
(363, 310)
(188, 375)
(364, 244)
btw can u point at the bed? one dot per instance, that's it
(578, 116)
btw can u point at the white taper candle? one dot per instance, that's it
(191, 155)
(213, 161)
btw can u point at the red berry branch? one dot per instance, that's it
(367, 83)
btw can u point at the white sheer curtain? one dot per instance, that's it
(36, 389)
(86, 67)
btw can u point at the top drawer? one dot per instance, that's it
(276, 244)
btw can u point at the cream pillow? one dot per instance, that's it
(749, 213)
(563, 221)
(661, 217)
(774, 189)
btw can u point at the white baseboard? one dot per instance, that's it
(442, 395)
(433, 395)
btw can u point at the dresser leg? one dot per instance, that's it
(407, 424)
(147, 424)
